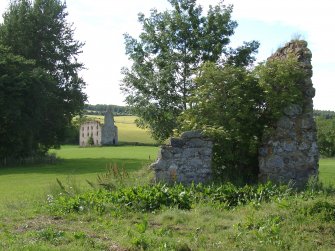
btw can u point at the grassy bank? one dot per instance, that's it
(296, 221)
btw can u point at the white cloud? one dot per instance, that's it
(101, 23)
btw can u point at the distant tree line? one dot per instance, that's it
(100, 109)
(324, 114)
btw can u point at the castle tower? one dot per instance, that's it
(109, 132)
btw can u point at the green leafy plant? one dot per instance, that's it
(50, 234)
(114, 177)
(322, 209)
(266, 230)
(149, 198)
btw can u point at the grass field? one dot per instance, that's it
(77, 165)
(128, 131)
(26, 224)
(81, 164)
(327, 171)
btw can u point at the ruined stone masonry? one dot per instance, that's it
(109, 130)
(106, 134)
(290, 153)
(90, 129)
(186, 159)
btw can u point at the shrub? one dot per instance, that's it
(321, 209)
(149, 198)
(237, 106)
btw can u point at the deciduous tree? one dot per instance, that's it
(166, 56)
(39, 31)
(26, 92)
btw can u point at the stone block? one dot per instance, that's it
(262, 151)
(307, 123)
(191, 134)
(187, 159)
(166, 153)
(196, 143)
(303, 146)
(177, 142)
(289, 146)
(293, 110)
(310, 92)
(275, 162)
(285, 122)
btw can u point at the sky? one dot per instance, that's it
(102, 23)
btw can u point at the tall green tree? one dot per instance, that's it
(168, 52)
(39, 31)
(26, 92)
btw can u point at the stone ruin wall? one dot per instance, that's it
(291, 153)
(186, 159)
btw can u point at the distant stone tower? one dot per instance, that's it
(109, 132)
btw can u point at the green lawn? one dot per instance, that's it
(327, 171)
(77, 165)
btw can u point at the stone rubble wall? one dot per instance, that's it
(290, 154)
(186, 159)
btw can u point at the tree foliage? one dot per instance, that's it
(168, 52)
(100, 109)
(326, 135)
(39, 32)
(235, 105)
(226, 106)
(278, 79)
(26, 91)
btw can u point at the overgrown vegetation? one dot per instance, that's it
(122, 209)
(150, 198)
(182, 78)
(256, 218)
(236, 106)
(215, 217)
